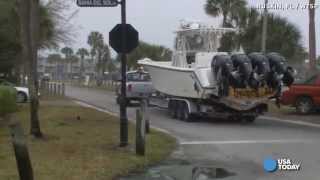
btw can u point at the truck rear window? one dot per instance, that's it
(138, 77)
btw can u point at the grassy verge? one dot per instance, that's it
(80, 149)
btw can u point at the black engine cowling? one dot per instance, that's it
(280, 71)
(242, 70)
(222, 67)
(261, 69)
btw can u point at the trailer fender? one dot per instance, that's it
(192, 107)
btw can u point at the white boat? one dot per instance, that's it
(189, 72)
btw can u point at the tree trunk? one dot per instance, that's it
(33, 74)
(312, 38)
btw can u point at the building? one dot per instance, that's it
(65, 70)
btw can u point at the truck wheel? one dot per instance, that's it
(21, 97)
(173, 109)
(304, 105)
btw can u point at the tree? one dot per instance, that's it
(82, 53)
(95, 41)
(106, 57)
(146, 50)
(229, 9)
(283, 36)
(29, 17)
(68, 53)
(98, 48)
(312, 37)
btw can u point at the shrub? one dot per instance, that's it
(7, 100)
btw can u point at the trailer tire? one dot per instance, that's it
(173, 108)
(179, 108)
(250, 119)
(185, 113)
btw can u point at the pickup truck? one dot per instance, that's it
(305, 96)
(138, 86)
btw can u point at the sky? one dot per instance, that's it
(156, 20)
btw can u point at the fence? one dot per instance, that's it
(53, 88)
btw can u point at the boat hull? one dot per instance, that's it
(179, 82)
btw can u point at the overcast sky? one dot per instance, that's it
(156, 20)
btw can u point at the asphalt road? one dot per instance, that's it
(238, 148)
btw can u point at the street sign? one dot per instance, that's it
(97, 3)
(116, 40)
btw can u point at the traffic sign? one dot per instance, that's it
(97, 3)
(116, 38)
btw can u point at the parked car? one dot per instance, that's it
(22, 92)
(138, 86)
(304, 96)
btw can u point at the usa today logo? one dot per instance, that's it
(282, 164)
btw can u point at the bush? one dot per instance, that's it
(7, 100)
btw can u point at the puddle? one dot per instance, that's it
(182, 170)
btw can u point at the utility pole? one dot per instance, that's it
(264, 28)
(123, 103)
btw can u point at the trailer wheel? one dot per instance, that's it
(173, 109)
(185, 114)
(250, 119)
(179, 111)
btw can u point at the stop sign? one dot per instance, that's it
(116, 39)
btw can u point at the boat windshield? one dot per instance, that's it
(199, 40)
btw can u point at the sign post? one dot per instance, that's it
(123, 103)
(123, 39)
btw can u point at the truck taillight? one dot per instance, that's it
(129, 87)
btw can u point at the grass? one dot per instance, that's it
(80, 149)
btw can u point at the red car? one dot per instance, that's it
(305, 96)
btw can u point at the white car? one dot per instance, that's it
(22, 92)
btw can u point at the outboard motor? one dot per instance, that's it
(261, 70)
(280, 72)
(222, 70)
(243, 70)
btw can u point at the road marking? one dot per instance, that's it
(302, 123)
(279, 141)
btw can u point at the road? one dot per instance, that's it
(237, 148)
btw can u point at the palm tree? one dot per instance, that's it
(312, 37)
(82, 53)
(96, 42)
(68, 52)
(283, 36)
(29, 16)
(106, 57)
(229, 9)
